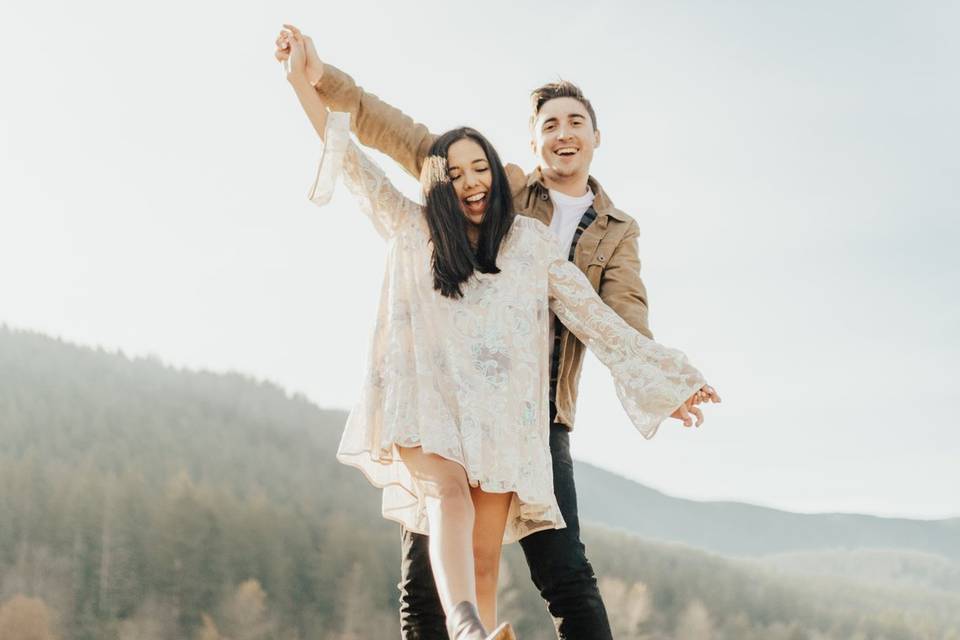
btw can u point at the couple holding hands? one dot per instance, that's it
(494, 286)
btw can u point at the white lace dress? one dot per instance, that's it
(468, 379)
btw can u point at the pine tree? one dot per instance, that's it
(694, 623)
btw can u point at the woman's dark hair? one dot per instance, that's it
(454, 259)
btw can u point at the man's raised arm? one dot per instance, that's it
(376, 123)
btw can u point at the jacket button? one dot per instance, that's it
(601, 258)
(544, 196)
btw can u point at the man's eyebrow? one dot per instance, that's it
(549, 120)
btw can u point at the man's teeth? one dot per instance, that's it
(477, 197)
(566, 152)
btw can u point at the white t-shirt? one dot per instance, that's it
(567, 212)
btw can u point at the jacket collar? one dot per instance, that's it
(601, 201)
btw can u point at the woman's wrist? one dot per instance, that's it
(298, 79)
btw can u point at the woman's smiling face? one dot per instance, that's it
(469, 170)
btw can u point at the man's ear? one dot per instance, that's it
(596, 138)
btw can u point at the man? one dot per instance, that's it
(602, 242)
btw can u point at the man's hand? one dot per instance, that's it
(314, 65)
(706, 393)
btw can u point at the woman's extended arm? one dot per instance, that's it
(652, 381)
(387, 208)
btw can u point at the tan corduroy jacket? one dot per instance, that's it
(606, 253)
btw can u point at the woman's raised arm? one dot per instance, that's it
(313, 105)
(387, 208)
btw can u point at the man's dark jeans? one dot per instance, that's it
(556, 557)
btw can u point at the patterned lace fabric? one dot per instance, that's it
(468, 379)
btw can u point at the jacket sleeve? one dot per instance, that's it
(387, 208)
(620, 285)
(651, 380)
(376, 123)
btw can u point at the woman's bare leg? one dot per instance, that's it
(451, 515)
(491, 511)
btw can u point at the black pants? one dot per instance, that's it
(558, 567)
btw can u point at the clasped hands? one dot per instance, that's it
(298, 55)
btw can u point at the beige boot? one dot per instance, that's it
(463, 623)
(503, 632)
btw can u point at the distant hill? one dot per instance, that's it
(141, 501)
(880, 568)
(735, 528)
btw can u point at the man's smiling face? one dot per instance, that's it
(564, 139)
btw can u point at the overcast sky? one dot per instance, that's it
(794, 171)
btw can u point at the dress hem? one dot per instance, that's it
(347, 458)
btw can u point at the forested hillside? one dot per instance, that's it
(139, 501)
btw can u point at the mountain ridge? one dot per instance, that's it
(727, 527)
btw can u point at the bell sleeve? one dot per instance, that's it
(651, 380)
(387, 208)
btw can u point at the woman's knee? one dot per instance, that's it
(486, 562)
(454, 494)
(440, 479)
(451, 494)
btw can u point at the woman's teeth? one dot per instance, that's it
(476, 202)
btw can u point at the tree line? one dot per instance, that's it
(142, 501)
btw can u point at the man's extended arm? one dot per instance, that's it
(376, 123)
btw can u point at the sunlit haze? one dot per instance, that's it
(793, 169)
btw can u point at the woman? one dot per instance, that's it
(453, 420)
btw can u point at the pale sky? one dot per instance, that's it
(794, 171)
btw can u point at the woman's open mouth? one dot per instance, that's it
(475, 203)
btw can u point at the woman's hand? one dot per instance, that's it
(706, 393)
(688, 410)
(314, 65)
(292, 53)
(296, 58)
(684, 412)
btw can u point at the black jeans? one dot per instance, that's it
(558, 567)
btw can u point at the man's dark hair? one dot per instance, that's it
(560, 89)
(454, 260)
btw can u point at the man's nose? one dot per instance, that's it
(563, 133)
